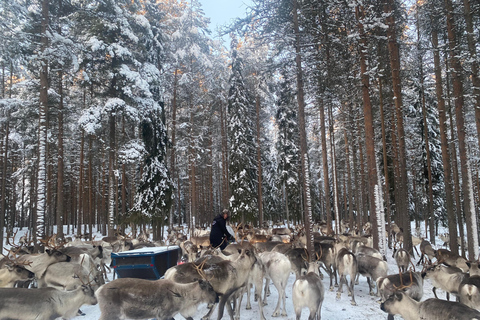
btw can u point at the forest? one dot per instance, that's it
(118, 113)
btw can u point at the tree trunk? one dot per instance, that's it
(3, 204)
(349, 191)
(225, 179)
(447, 171)
(259, 165)
(430, 216)
(402, 202)
(334, 170)
(457, 74)
(303, 135)
(326, 184)
(472, 48)
(60, 167)
(42, 136)
(369, 132)
(90, 191)
(111, 177)
(81, 187)
(385, 163)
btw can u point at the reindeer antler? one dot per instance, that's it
(200, 271)
(14, 260)
(402, 286)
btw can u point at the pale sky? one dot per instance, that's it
(221, 12)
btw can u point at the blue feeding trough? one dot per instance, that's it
(145, 263)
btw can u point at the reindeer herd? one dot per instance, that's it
(56, 283)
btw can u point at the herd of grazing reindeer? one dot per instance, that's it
(68, 274)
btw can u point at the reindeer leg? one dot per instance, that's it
(258, 291)
(249, 293)
(435, 292)
(330, 273)
(352, 283)
(276, 313)
(420, 260)
(340, 286)
(221, 305)
(284, 313)
(265, 294)
(369, 281)
(209, 313)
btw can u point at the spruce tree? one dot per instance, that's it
(155, 192)
(242, 165)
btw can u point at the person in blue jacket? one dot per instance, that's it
(219, 235)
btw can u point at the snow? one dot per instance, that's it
(368, 306)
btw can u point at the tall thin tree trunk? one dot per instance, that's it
(3, 204)
(303, 135)
(472, 49)
(326, 183)
(447, 171)
(225, 175)
(457, 74)
(369, 132)
(385, 162)
(429, 216)
(42, 136)
(349, 191)
(91, 195)
(333, 156)
(402, 202)
(81, 187)
(173, 169)
(259, 164)
(60, 166)
(111, 177)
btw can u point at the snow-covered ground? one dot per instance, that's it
(368, 306)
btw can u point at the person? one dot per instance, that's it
(219, 235)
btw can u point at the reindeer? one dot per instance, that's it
(411, 283)
(326, 254)
(225, 276)
(369, 251)
(469, 291)
(200, 241)
(69, 276)
(277, 268)
(473, 269)
(144, 299)
(308, 291)
(13, 271)
(431, 309)
(372, 268)
(38, 263)
(271, 245)
(298, 260)
(346, 265)
(44, 303)
(402, 258)
(427, 252)
(253, 237)
(446, 278)
(452, 259)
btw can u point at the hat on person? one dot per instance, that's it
(225, 211)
